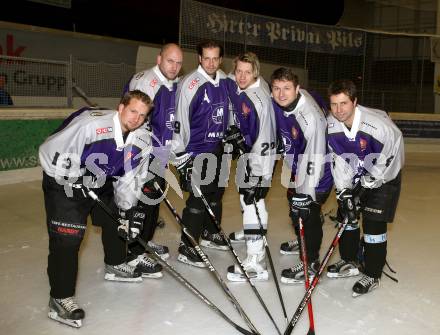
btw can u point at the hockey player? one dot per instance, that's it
(201, 120)
(254, 120)
(367, 151)
(93, 148)
(301, 128)
(159, 83)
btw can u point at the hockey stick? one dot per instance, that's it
(167, 266)
(306, 276)
(308, 294)
(228, 242)
(266, 245)
(206, 260)
(83, 95)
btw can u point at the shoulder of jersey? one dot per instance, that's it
(192, 81)
(221, 74)
(145, 79)
(143, 135)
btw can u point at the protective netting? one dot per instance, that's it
(392, 71)
(48, 83)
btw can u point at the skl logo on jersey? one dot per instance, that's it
(245, 110)
(105, 130)
(193, 83)
(217, 115)
(363, 144)
(153, 82)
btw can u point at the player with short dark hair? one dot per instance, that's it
(367, 158)
(201, 120)
(301, 127)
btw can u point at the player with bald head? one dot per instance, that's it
(160, 83)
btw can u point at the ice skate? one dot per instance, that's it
(66, 311)
(122, 272)
(213, 241)
(290, 248)
(161, 250)
(189, 255)
(147, 266)
(342, 269)
(364, 285)
(254, 264)
(295, 275)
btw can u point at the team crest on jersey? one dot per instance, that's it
(104, 130)
(363, 144)
(128, 156)
(193, 83)
(153, 82)
(245, 109)
(294, 133)
(217, 115)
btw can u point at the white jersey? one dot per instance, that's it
(373, 146)
(303, 131)
(91, 143)
(253, 114)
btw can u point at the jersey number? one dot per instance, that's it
(265, 147)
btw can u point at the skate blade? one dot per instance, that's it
(355, 295)
(211, 245)
(343, 275)
(156, 275)
(185, 260)
(282, 252)
(290, 281)
(238, 277)
(72, 323)
(237, 241)
(112, 277)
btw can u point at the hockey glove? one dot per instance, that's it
(184, 167)
(347, 206)
(234, 137)
(300, 207)
(130, 223)
(254, 192)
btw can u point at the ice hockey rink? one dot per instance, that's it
(165, 306)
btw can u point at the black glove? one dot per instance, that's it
(184, 168)
(300, 206)
(254, 192)
(347, 206)
(131, 223)
(234, 137)
(149, 190)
